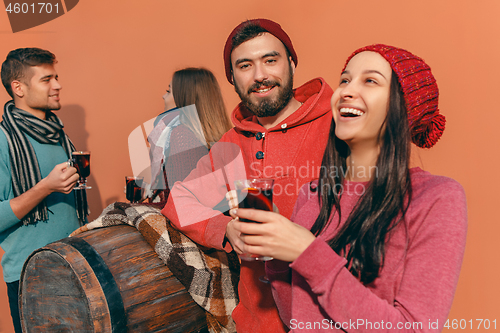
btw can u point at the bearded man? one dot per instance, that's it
(279, 132)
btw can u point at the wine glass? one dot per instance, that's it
(81, 161)
(134, 190)
(258, 194)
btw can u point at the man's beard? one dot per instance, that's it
(267, 107)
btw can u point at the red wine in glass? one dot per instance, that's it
(134, 190)
(81, 161)
(257, 194)
(255, 198)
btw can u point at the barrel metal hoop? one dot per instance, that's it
(107, 281)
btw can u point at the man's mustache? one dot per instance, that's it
(265, 83)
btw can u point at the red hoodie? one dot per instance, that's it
(290, 153)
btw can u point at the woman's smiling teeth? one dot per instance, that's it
(350, 112)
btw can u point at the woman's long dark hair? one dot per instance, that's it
(362, 239)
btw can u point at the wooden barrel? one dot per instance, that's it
(104, 280)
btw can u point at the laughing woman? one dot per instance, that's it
(376, 245)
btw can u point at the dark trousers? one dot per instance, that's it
(13, 293)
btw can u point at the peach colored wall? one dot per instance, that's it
(116, 59)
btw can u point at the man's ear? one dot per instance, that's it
(292, 64)
(17, 88)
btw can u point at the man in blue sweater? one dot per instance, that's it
(37, 204)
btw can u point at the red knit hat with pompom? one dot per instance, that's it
(420, 92)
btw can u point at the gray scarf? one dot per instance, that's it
(25, 171)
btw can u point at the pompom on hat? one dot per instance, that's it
(420, 91)
(272, 27)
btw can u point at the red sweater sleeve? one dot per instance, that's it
(191, 202)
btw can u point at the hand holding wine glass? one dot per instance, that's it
(274, 235)
(61, 179)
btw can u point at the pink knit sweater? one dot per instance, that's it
(416, 285)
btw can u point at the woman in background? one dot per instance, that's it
(184, 135)
(168, 99)
(376, 245)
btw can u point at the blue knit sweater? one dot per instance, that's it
(17, 240)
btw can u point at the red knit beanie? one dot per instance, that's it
(272, 27)
(420, 92)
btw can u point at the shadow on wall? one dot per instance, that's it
(73, 117)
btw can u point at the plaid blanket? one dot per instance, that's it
(210, 276)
